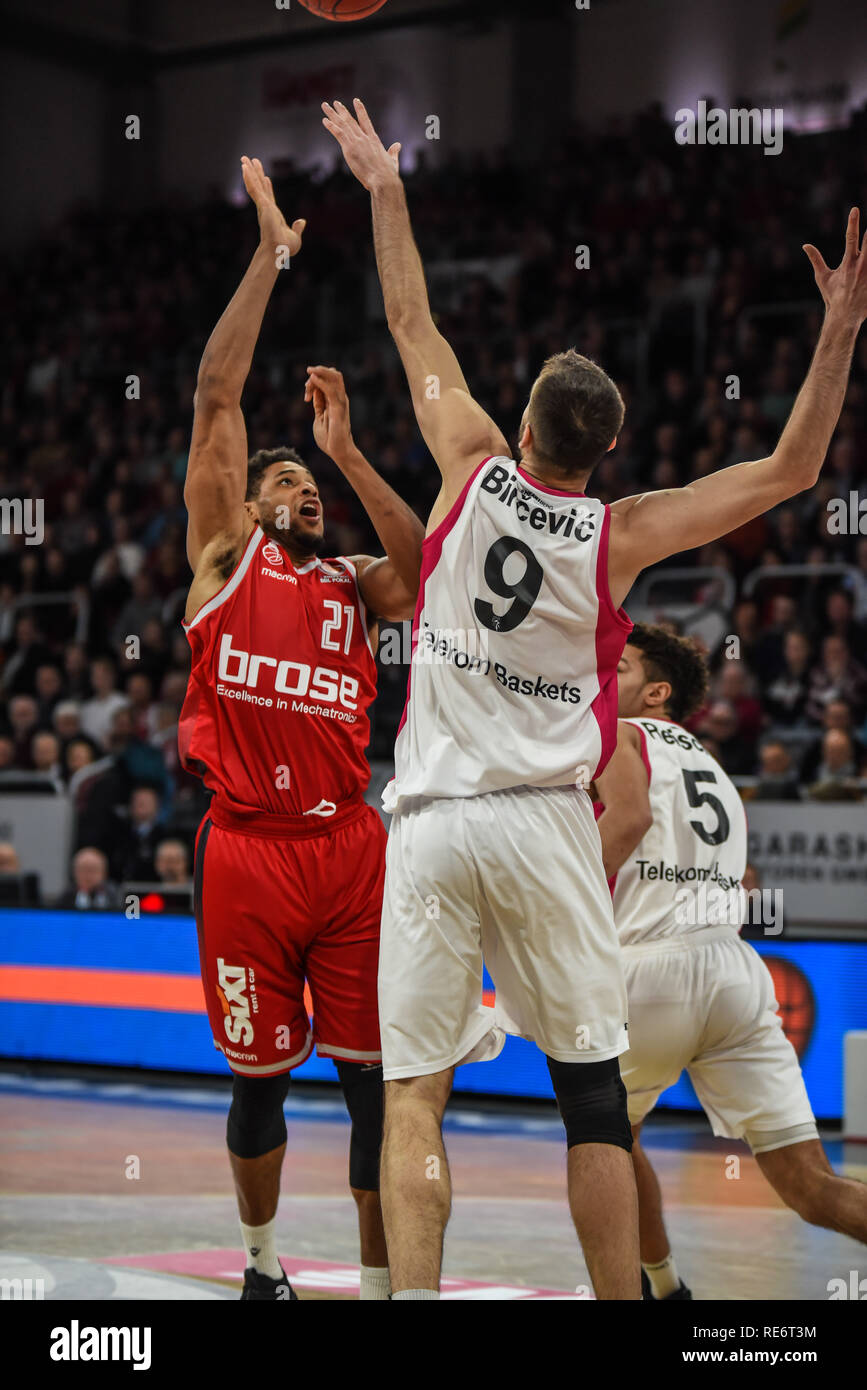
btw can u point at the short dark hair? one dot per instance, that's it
(676, 660)
(263, 459)
(575, 413)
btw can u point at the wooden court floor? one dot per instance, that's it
(116, 1192)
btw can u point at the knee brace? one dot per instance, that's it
(363, 1092)
(256, 1125)
(592, 1102)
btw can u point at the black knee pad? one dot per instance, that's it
(363, 1092)
(592, 1101)
(256, 1125)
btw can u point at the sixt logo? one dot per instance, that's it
(232, 992)
(579, 522)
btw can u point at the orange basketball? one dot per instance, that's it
(342, 9)
(795, 998)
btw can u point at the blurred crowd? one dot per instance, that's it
(698, 300)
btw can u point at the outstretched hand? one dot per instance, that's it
(371, 163)
(844, 289)
(274, 230)
(332, 431)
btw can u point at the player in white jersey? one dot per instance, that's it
(493, 850)
(701, 999)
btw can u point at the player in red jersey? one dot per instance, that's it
(289, 859)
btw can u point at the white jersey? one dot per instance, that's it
(513, 680)
(686, 873)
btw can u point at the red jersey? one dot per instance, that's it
(283, 674)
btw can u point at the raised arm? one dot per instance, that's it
(456, 429)
(389, 584)
(623, 790)
(648, 527)
(216, 480)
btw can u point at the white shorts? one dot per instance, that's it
(514, 877)
(705, 1003)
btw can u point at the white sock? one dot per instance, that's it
(406, 1294)
(664, 1278)
(261, 1250)
(375, 1284)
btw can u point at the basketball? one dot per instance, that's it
(797, 1007)
(343, 9)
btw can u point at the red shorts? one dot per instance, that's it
(272, 911)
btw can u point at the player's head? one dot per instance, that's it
(573, 417)
(283, 497)
(660, 675)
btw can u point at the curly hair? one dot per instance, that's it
(676, 660)
(263, 459)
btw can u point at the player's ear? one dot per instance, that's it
(611, 445)
(658, 694)
(252, 511)
(526, 440)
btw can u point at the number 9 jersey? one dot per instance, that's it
(686, 873)
(516, 641)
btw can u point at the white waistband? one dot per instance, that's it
(699, 936)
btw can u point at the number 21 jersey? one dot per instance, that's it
(513, 680)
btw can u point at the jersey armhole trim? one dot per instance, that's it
(455, 509)
(644, 758)
(617, 615)
(231, 584)
(362, 606)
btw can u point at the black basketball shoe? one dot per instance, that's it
(262, 1286)
(676, 1297)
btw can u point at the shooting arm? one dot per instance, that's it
(217, 470)
(624, 790)
(216, 481)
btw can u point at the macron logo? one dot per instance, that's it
(76, 1343)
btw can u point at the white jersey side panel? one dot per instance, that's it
(696, 849)
(516, 642)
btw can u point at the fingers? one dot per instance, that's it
(328, 380)
(394, 155)
(852, 233)
(363, 119)
(816, 260)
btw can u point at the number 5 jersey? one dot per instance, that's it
(686, 873)
(516, 641)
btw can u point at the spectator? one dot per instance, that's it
(735, 685)
(48, 686)
(172, 862)
(778, 775)
(137, 838)
(786, 696)
(67, 720)
(91, 888)
(839, 677)
(721, 726)
(23, 717)
(837, 774)
(45, 756)
(79, 753)
(836, 715)
(98, 712)
(9, 861)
